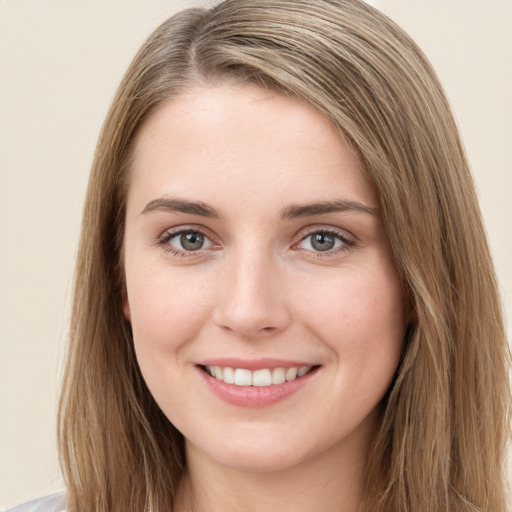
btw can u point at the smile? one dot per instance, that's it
(260, 378)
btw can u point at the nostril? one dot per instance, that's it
(250, 320)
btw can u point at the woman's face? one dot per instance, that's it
(254, 251)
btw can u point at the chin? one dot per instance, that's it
(262, 456)
(259, 461)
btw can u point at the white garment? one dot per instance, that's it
(52, 503)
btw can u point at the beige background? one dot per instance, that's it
(60, 62)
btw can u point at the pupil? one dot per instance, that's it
(322, 241)
(191, 241)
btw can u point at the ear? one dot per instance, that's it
(126, 306)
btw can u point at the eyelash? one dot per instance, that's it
(168, 236)
(346, 241)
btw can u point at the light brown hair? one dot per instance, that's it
(441, 441)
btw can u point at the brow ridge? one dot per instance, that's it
(289, 212)
(183, 206)
(337, 205)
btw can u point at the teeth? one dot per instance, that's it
(243, 377)
(302, 371)
(278, 376)
(260, 378)
(229, 376)
(291, 373)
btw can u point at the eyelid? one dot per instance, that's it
(348, 239)
(323, 228)
(170, 233)
(199, 228)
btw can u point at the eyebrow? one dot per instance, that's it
(338, 205)
(181, 206)
(289, 212)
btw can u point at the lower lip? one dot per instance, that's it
(255, 396)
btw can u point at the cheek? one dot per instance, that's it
(360, 315)
(167, 311)
(164, 304)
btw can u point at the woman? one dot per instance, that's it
(282, 280)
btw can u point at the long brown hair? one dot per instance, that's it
(441, 440)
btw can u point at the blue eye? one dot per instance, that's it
(188, 241)
(324, 241)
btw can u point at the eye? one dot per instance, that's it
(186, 240)
(324, 241)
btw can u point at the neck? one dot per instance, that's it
(327, 483)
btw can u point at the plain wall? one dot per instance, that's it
(60, 63)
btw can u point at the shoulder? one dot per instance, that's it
(52, 503)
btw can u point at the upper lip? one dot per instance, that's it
(254, 364)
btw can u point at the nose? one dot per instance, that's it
(251, 300)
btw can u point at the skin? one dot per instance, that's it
(259, 288)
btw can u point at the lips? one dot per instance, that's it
(263, 384)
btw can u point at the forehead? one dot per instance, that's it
(244, 140)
